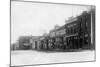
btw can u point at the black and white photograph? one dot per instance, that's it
(51, 33)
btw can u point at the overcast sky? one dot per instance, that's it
(37, 18)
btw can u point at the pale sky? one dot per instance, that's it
(37, 18)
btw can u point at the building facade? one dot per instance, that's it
(75, 34)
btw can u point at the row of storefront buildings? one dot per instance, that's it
(76, 33)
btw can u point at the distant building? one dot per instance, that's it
(24, 42)
(35, 42)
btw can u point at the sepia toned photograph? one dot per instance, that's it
(51, 33)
